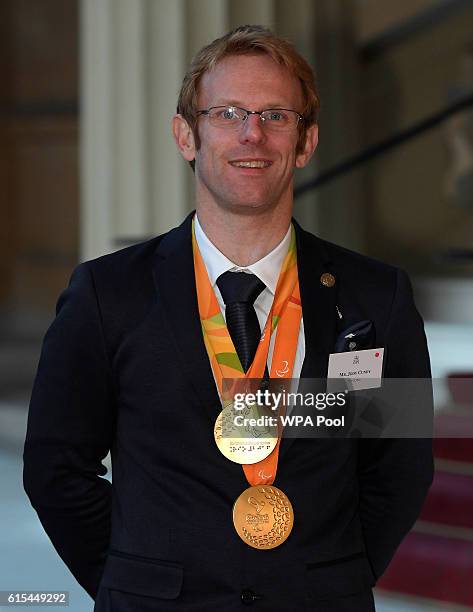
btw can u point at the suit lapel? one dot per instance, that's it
(318, 308)
(318, 303)
(173, 272)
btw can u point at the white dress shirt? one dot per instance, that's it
(266, 269)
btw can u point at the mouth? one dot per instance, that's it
(251, 163)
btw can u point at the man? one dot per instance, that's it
(130, 365)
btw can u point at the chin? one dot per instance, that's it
(249, 207)
(250, 202)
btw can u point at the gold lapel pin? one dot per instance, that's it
(327, 279)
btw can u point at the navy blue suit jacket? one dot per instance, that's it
(124, 368)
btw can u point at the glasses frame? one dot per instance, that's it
(247, 112)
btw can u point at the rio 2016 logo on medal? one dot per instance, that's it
(263, 517)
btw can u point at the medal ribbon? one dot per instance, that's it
(285, 315)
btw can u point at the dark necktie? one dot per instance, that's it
(239, 291)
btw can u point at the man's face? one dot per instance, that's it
(253, 82)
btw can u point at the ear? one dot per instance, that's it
(184, 137)
(311, 140)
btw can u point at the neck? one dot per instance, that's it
(244, 239)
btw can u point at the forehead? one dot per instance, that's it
(252, 80)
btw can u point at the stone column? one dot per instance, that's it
(169, 201)
(96, 128)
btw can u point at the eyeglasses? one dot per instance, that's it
(277, 119)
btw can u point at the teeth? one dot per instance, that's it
(251, 164)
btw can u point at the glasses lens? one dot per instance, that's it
(279, 119)
(225, 116)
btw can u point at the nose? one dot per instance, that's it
(252, 130)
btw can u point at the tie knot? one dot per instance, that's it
(239, 287)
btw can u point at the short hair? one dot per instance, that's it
(247, 40)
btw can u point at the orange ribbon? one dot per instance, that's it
(284, 316)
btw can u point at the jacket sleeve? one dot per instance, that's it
(395, 474)
(69, 433)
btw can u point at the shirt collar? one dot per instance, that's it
(266, 269)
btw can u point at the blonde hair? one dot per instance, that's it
(245, 40)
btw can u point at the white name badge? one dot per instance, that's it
(360, 369)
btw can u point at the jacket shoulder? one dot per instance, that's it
(348, 261)
(366, 287)
(122, 285)
(127, 260)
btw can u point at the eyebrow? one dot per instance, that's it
(226, 102)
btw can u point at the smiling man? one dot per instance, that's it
(136, 358)
(244, 170)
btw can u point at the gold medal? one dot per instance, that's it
(245, 436)
(263, 517)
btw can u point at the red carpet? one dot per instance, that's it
(439, 565)
(450, 500)
(434, 567)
